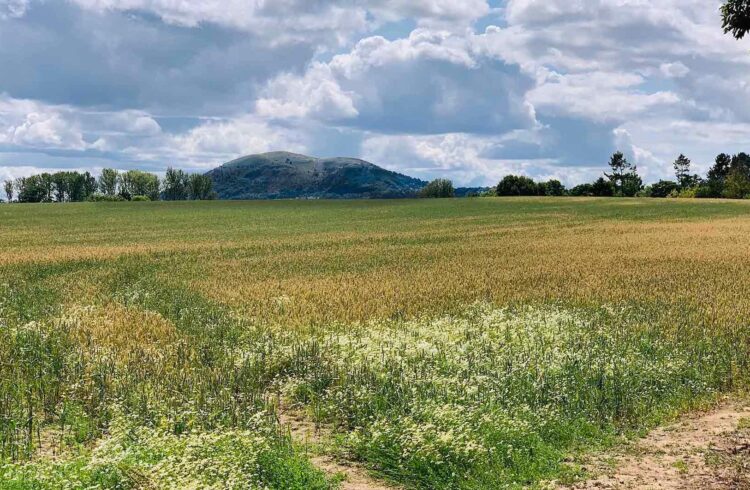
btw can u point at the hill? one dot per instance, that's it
(283, 175)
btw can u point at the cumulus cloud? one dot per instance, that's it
(315, 94)
(288, 19)
(598, 96)
(216, 142)
(550, 90)
(28, 123)
(674, 70)
(430, 82)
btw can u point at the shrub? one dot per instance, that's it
(583, 190)
(141, 199)
(106, 198)
(517, 185)
(645, 192)
(663, 188)
(551, 188)
(688, 193)
(438, 188)
(704, 192)
(737, 185)
(603, 188)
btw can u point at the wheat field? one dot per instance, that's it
(473, 343)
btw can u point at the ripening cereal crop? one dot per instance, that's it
(474, 343)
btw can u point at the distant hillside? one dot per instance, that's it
(282, 175)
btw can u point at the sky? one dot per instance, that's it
(471, 90)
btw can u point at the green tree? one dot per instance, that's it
(603, 188)
(108, 181)
(582, 190)
(517, 185)
(631, 183)
(736, 17)
(620, 168)
(31, 189)
(71, 186)
(664, 188)
(137, 183)
(438, 188)
(741, 161)
(9, 187)
(61, 183)
(45, 180)
(552, 188)
(737, 185)
(201, 187)
(175, 185)
(717, 175)
(685, 179)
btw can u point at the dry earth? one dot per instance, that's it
(703, 451)
(312, 436)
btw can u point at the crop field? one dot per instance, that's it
(471, 344)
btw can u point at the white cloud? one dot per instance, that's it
(674, 70)
(32, 124)
(598, 96)
(285, 20)
(216, 142)
(316, 94)
(12, 8)
(430, 82)
(550, 92)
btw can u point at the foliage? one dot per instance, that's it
(200, 188)
(135, 455)
(686, 193)
(106, 198)
(108, 181)
(582, 190)
(175, 185)
(737, 184)
(60, 187)
(33, 189)
(137, 183)
(438, 188)
(736, 17)
(553, 188)
(140, 199)
(603, 188)
(664, 188)
(517, 185)
(9, 188)
(685, 179)
(632, 184)
(704, 191)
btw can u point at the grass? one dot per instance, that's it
(450, 344)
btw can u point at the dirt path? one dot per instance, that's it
(703, 451)
(305, 432)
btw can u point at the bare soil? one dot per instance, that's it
(708, 450)
(312, 436)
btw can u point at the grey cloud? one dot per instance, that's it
(61, 54)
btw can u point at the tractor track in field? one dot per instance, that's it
(708, 450)
(306, 433)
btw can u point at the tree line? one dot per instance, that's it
(729, 177)
(111, 185)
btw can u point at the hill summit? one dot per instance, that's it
(283, 175)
